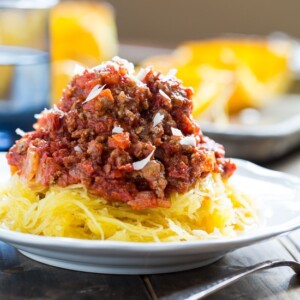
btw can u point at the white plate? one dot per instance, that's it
(278, 196)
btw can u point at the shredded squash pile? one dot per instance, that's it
(213, 208)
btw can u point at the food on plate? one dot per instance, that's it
(121, 158)
(230, 74)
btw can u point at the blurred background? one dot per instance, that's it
(171, 22)
(241, 57)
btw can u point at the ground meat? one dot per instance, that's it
(97, 139)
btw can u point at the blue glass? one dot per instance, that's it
(24, 65)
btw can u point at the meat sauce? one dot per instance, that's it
(126, 138)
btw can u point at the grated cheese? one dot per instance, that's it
(170, 75)
(188, 141)
(20, 132)
(176, 131)
(117, 129)
(165, 95)
(139, 165)
(157, 119)
(96, 90)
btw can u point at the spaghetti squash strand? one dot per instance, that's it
(211, 208)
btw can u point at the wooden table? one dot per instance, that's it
(22, 278)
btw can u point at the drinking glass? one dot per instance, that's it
(24, 65)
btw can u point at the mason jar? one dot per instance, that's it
(24, 65)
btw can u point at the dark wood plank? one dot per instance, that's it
(23, 278)
(280, 283)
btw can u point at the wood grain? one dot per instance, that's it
(23, 278)
(295, 239)
(280, 282)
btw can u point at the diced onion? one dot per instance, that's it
(157, 119)
(96, 90)
(139, 165)
(176, 131)
(170, 75)
(20, 132)
(164, 95)
(188, 141)
(117, 129)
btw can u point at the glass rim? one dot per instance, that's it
(27, 4)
